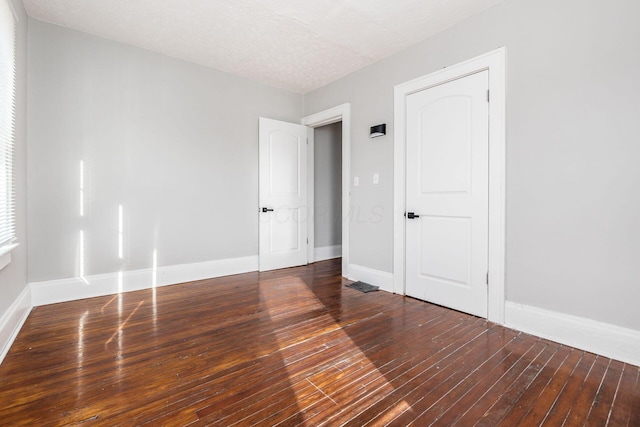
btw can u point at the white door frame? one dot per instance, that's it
(341, 113)
(493, 61)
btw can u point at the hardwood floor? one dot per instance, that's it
(296, 347)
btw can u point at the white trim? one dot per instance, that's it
(5, 254)
(5, 260)
(12, 320)
(333, 115)
(601, 338)
(374, 277)
(311, 197)
(494, 62)
(55, 291)
(8, 248)
(328, 252)
(13, 10)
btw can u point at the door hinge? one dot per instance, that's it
(487, 278)
(487, 95)
(307, 240)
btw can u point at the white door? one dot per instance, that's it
(283, 194)
(447, 185)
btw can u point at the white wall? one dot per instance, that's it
(13, 278)
(174, 144)
(573, 98)
(328, 185)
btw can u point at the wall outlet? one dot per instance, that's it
(376, 178)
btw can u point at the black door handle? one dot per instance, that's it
(267, 210)
(411, 215)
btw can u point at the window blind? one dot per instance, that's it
(7, 121)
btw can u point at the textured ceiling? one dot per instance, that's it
(299, 45)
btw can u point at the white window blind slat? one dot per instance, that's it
(7, 121)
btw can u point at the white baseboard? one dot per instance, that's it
(605, 339)
(13, 319)
(374, 277)
(54, 291)
(327, 252)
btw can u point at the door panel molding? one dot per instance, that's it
(494, 62)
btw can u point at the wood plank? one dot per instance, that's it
(423, 390)
(603, 401)
(623, 406)
(634, 416)
(592, 383)
(569, 393)
(526, 414)
(523, 389)
(497, 378)
(293, 347)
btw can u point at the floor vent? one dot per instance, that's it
(363, 287)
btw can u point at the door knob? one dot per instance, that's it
(411, 215)
(267, 210)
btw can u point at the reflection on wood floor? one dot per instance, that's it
(296, 347)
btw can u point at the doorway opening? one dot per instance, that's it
(327, 153)
(337, 115)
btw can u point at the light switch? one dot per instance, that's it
(356, 181)
(376, 178)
